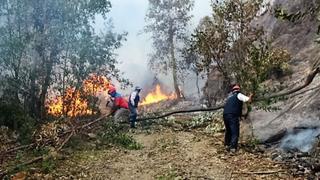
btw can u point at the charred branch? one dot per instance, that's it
(308, 81)
(181, 111)
(276, 137)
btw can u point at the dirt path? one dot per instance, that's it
(170, 155)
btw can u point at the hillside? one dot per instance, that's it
(298, 37)
(291, 25)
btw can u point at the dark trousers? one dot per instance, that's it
(232, 127)
(133, 115)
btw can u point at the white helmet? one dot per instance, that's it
(137, 88)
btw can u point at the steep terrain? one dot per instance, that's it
(295, 29)
(298, 36)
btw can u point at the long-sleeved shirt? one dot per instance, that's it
(243, 97)
(119, 101)
(134, 99)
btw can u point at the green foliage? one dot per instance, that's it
(281, 13)
(216, 124)
(48, 165)
(266, 105)
(15, 118)
(311, 9)
(240, 52)
(43, 151)
(76, 143)
(50, 46)
(260, 64)
(114, 134)
(126, 141)
(171, 175)
(167, 21)
(201, 120)
(253, 142)
(265, 89)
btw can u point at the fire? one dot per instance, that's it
(74, 102)
(156, 96)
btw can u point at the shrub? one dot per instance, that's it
(115, 134)
(15, 118)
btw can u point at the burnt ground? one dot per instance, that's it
(169, 153)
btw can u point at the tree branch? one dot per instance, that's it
(181, 111)
(260, 172)
(308, 81)
(66, 140)
(18, 148)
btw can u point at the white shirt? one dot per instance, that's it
(133, 96)
(243, 97)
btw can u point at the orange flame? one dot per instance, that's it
(156, 96)
(76, 102)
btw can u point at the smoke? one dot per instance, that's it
(134, 52)
(303, 140)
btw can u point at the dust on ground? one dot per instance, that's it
(170, 154)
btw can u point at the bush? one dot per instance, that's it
(15, 118)
(48, 165)
(115, 134)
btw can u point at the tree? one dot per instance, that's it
(231, 43)
(191, 62)
(51, 46)
(168, 21)
(211, 42)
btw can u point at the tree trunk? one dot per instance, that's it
(197, 83)
(16, 68)
(174, 75)
(174, 65)
(47, 81)
(33, 108)
(39, 26)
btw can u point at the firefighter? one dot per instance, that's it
(134, 99)
(231, 117)
(118, 100)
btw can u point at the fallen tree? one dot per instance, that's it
(308, 81)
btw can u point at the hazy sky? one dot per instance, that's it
(128, 16)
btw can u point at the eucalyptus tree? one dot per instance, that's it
(167, 22)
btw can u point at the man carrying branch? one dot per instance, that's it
(133, 105)
(118, 100)
(231, 117)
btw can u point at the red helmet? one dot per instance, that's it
(235, 87)
(111, 89)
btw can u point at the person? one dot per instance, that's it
(134, 99)
(118, 100)
(231, 117)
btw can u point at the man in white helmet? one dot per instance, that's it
(133, 103)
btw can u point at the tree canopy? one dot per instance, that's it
(167, 22)
(50, 46)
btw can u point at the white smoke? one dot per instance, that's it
(134, 52)
(303, 140)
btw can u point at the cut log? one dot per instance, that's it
(276, 137)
